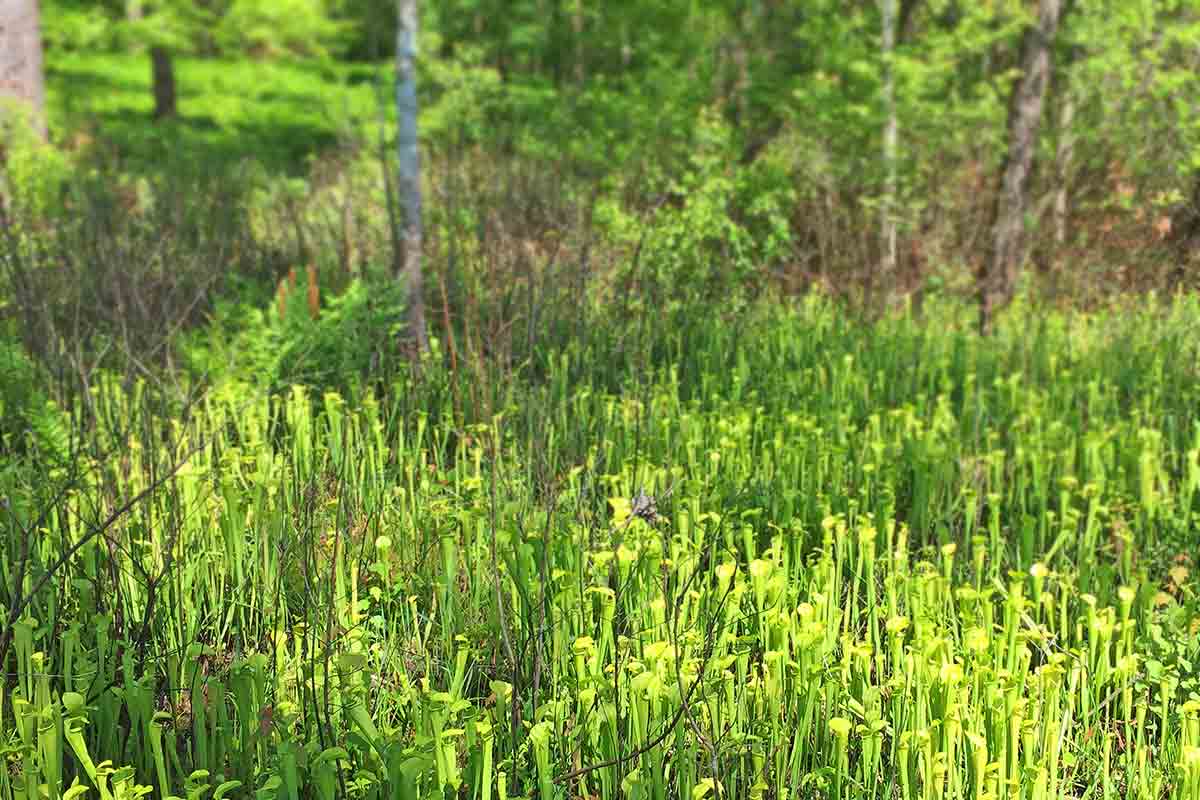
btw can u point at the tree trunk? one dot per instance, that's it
(21, 75)
(1182, 232)
(999, 275)
(740, 52)
(577, 26)
(1064, 160)
(164, 82)
(906, 23)
(409, 159)
(626, 46)
(887, 231)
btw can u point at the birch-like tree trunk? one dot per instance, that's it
(626, 45)
(21, 58)
(1000, 271)
(409, 159)
(887, 232)
(1064, 162)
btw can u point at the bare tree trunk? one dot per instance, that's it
(887, 232)
(999, 275)
(21, 74)
(692, 26)
(1182, 231)
(906, 23)
(1064, 158)
(740, 52)
(577, 25)
(164, 82)
(409, 184)
(626, 46)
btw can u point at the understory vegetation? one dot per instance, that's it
(790, 556)
(688, 497)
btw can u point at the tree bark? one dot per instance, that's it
(740, 52)
(1064, 153)
(1064, 159)
(906, 22)
(1000, 270)
(887, 230)
(1182, 232)
(163, 67)
(21, 76)
(409, 159)
(577, 26)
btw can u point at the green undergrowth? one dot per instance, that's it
(784, 554)
(351, 342)
(280, 111)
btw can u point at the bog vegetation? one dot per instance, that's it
(689, 498)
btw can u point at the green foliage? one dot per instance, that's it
(229, 27)
(612, 96)
(462, 101)
(1127, 74)
(871, 548)
(273, 113)
(76, 26)
(180, 26)
(721, 226)
(282, 27)
(31, 424)
(33, 174)
(356, 332)
(20, 392)
(351, 342)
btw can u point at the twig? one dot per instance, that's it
(20, 602)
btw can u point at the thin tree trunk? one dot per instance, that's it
(409, 183)
(626, 46)
(693, 30)
(164, 82)
(21, 74)
(1064, 160)
(906, 23)
(577, 25)
(740, 52)
(999, 276)
(887, 232)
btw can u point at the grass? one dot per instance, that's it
(281, 111)
(789, 555)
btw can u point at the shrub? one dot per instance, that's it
(352, 338)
